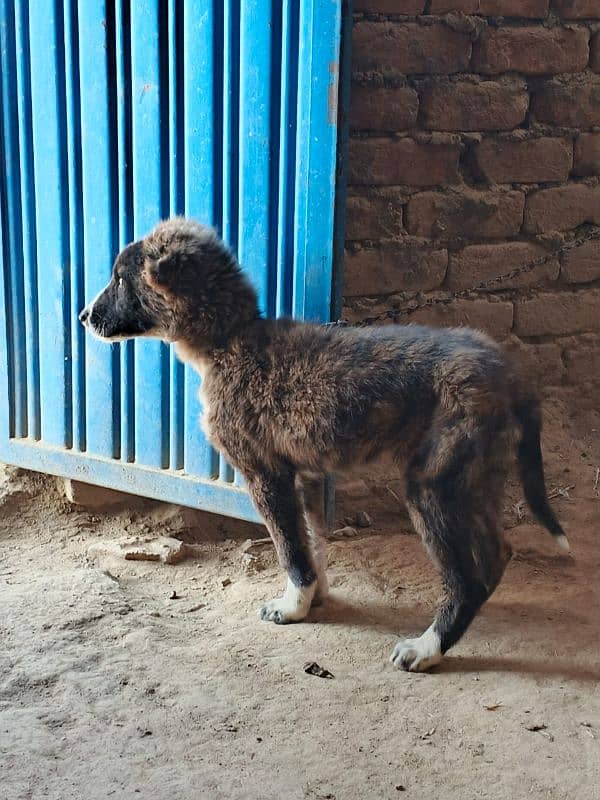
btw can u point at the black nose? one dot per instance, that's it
(84, 315)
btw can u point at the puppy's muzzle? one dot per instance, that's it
(84, 315)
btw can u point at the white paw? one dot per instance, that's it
(418, 655)
(292, 607)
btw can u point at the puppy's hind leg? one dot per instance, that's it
(274, 495)
(459, 522)
(312, 491)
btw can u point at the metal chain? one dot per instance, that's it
(590, 232)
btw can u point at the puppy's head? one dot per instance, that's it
(180, 281)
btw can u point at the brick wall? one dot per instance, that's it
(475, 147)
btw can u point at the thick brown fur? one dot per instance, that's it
(288, 402)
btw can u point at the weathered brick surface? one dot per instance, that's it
(541, 363)
(531, 9)
(383, 109)
(582, 264)
(481, 262)
(467, 213)
(558, 314)
(586, 159)
(582, 360)
(389, 162)
(486, 106)
(578, 9)
(464, 6)
(564, 103)
(473, 127)
(390, 6)
(493, 318)
(393, 267)
(410, 47)
(595, 52)
(562, 208)
(528, 9)
(528, 161)
(531, 50)
(376, 216)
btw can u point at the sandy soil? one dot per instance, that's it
(110, 689)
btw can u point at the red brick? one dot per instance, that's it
(529, 9)
(582, 264)
(578, 9)
(410, 48)
(587, 154)
(374, 216)
(466, 213)
(482, 262)
(582, 360)
(390, 6)
(576, 105)
(486, 106)
(531, 50)
(595, 52)
(558, 314)
(527, 161)
(541, 363)
(493, 318)
(388, 162)
(393, 267)
(562, 208)
(383, 109)
(444, 6)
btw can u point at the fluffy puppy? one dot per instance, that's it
(287, 402)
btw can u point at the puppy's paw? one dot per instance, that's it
(418, 655)
(292, 607)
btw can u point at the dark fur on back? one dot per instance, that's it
(287, 402)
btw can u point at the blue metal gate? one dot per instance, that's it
(115, 114)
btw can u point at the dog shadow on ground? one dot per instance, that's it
(497, 620)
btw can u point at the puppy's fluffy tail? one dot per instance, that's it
(531, 468)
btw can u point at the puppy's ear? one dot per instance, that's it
(164, 273)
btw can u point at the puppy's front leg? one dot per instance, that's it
(274, 495)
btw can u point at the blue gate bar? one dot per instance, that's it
(100, 216)
(149, 195)
(200, 77)
(46, 27)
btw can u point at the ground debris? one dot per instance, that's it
(428, 734)
(174, 596)
(312, 668)
(160, 548)
(363, 520)
(346, 531)
(493, 706)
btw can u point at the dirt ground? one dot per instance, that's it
(108, 688)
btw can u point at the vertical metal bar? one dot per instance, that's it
(175, 207)
(287, 157)
(49, 155)
(230, 154)
(78, 288)
(30, 277)
(202, 195)
(6, 398)
(99, 241)
(316, 143)
(151, 358)
(125, 204)
(255, 237)
(259, 118)
(12, 210)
